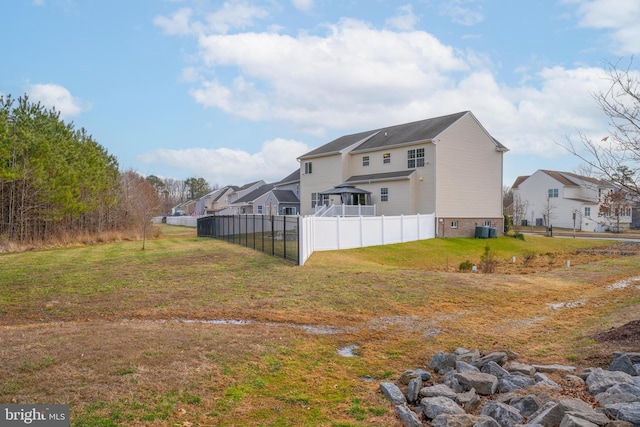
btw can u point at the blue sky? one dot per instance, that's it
(234, 91)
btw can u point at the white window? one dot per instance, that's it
(454, 224)
(288, 211)
(587, 212)
(415, 158)
(384, 194)
(308, 168)
(314, 200)
(386, 158)
(487, 223)
(259, 209)
(553, 193)
(365, 160)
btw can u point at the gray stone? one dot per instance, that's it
(408, 376)
(485, 384)
(465, 367)
(467, 355)
(426, 376)
(505, 415)
(595, 417)
(413, 389)
(451, 381)
(438, 390)
(500, 357)
(493, 368)
(555, 368)
(600, 380)
(408, 418)
(572, 421)
(392, 392)
(468, 400)
(623, 363)
(521, 368)
(629, 412)
(550, 415)
(514, 382)
(576, 405)
(527, 405)
(434, 406)
(541, 378)
(466, 420)
(442, 363)
(585, 373)
(607, 398)
(581, 409)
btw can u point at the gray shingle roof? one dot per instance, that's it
(385, 176)
(391, 136)
(286, 196)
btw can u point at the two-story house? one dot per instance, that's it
(568, 200)
(450, 166)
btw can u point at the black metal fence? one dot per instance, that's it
(274, 235)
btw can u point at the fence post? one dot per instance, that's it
(273, 237)
(284, 235)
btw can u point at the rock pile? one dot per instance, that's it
(495, 390)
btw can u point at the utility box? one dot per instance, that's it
(493, 233)
(482, 232)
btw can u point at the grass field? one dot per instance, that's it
(202, 332)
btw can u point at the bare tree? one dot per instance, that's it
(141, 200)
(614, 205)
(548, 212)
(616, 157)
(519, 211)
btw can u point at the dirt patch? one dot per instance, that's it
(626, 336)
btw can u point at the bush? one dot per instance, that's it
(487, 263)
(466, 266)
(519, 236)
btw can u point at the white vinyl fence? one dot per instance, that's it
(332, 233)
(186, 221)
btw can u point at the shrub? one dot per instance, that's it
(487, 263)
(466, 266)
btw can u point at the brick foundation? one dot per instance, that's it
(466, 226)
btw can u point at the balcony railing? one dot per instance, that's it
(346, 210)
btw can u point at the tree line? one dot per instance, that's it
(57, 182)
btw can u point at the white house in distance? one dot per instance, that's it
(449, 166)
(567, 200)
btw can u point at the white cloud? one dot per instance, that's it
(340, 79)
(53, 95)
(355, 77)
(463, 12)
(620, 18)
(225, 166)
(303, 5)
(233, 14)
(405, 20)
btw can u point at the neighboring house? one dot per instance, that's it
(280, 198)
(184, 208)
(216, 200)
(450, 166)
(568, 200)
(232, 199)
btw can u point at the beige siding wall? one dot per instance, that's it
(399, 196)
(469, 172)
(421, 199)
(327, 172)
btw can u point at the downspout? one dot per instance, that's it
(435, 187)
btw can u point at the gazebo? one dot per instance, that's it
(349, 194)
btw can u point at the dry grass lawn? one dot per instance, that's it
(201, 332)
